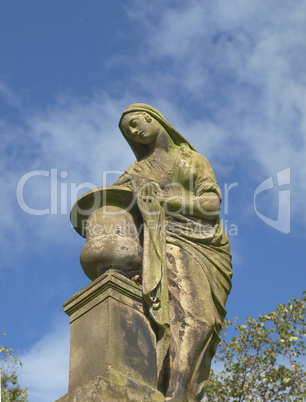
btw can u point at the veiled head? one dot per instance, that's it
(147, 122)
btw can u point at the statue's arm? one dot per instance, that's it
(205, 206)
(201, 197)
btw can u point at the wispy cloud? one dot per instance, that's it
(9, 96)
(45, 366)
(237, 71)
(241, 68)
(78, 139)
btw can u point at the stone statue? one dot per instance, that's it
(159, 225)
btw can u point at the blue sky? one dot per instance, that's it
(230, 76)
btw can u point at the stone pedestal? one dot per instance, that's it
(112, 346)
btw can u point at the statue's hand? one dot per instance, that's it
(148, 202)
(134, 180)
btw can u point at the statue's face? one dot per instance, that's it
(139, 128)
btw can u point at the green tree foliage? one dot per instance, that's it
(10, 365)
(262, 362)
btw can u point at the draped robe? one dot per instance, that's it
(186, 275)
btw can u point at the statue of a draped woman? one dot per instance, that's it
(186, 263)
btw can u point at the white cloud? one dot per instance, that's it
(239, 71)
(78, 136)
(75, 134)
(9, 95)
(45, 366)
(242, 67)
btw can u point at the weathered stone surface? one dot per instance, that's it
(112, 241)
(104, 390)
(112, 345)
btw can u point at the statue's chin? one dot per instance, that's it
(121, 253)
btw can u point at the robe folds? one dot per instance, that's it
(187, 270)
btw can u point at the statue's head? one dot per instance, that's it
(140, 124)
(140, 128)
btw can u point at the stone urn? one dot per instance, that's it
(109, 219)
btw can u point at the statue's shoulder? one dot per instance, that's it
(198, 159)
